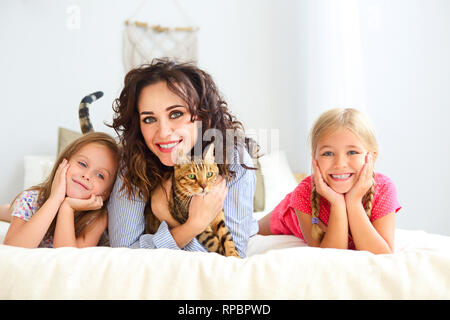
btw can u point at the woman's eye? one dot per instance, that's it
(327, 153)
(352, 152)
(209, 174)
(176, 114)
(148, 120)
(81, 163)
(191, 176)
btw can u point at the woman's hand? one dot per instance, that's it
(323, 188)
(58, 190)
(364, 181)
(160, 204)
(203, 209)
(93, 203)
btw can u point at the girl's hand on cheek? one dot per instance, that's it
(203, 209)
(58, 190)
(93, 203)
(364, 181)
(323, 188)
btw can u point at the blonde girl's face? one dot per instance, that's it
(165, 122)
(340, 156)
(91, 171)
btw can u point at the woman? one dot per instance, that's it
(162, 107)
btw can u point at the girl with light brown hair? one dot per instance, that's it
(69, 208)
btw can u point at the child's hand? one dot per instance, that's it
(58, 191)
(93, 203)
(364, 181)
(322, 187)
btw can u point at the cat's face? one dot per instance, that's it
(196, 177)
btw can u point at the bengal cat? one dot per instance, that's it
(190, 178)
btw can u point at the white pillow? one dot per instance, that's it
(36, 169)
(3, 230)
(278, 178)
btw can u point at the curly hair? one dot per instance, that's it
(141, 168)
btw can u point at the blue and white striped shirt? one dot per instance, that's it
(126, 222)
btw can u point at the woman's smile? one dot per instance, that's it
(168, 147)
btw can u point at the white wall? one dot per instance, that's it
(278, 63)
(408, 98)
(50, 60)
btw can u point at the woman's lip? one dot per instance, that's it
(168, 150)
(169, 142)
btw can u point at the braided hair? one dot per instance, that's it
(367, 201)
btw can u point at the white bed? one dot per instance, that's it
(277, 267)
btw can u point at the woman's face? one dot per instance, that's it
(165, 122)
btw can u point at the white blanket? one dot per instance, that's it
(278, 267)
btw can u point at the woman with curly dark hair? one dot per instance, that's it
(165, 106)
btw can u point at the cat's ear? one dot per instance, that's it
(208, 154)
(182, 158)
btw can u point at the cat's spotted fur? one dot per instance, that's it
(190, 178)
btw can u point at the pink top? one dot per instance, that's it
(284, 220)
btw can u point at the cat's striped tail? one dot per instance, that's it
(83, 111)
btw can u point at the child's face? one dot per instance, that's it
(165, 122)
(340, 156)
(92, 170)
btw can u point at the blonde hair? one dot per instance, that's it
(328, 123)
(83, 220)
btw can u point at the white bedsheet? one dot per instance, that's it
(278, 267)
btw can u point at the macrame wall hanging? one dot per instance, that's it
(142, 43)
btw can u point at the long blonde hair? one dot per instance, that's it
(83, 220)
(329, 122)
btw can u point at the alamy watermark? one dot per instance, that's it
(73, 19)
(229, 148)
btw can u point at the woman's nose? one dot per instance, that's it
(164, 129)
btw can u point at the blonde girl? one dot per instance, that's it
(344, 204)
(69, 208)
